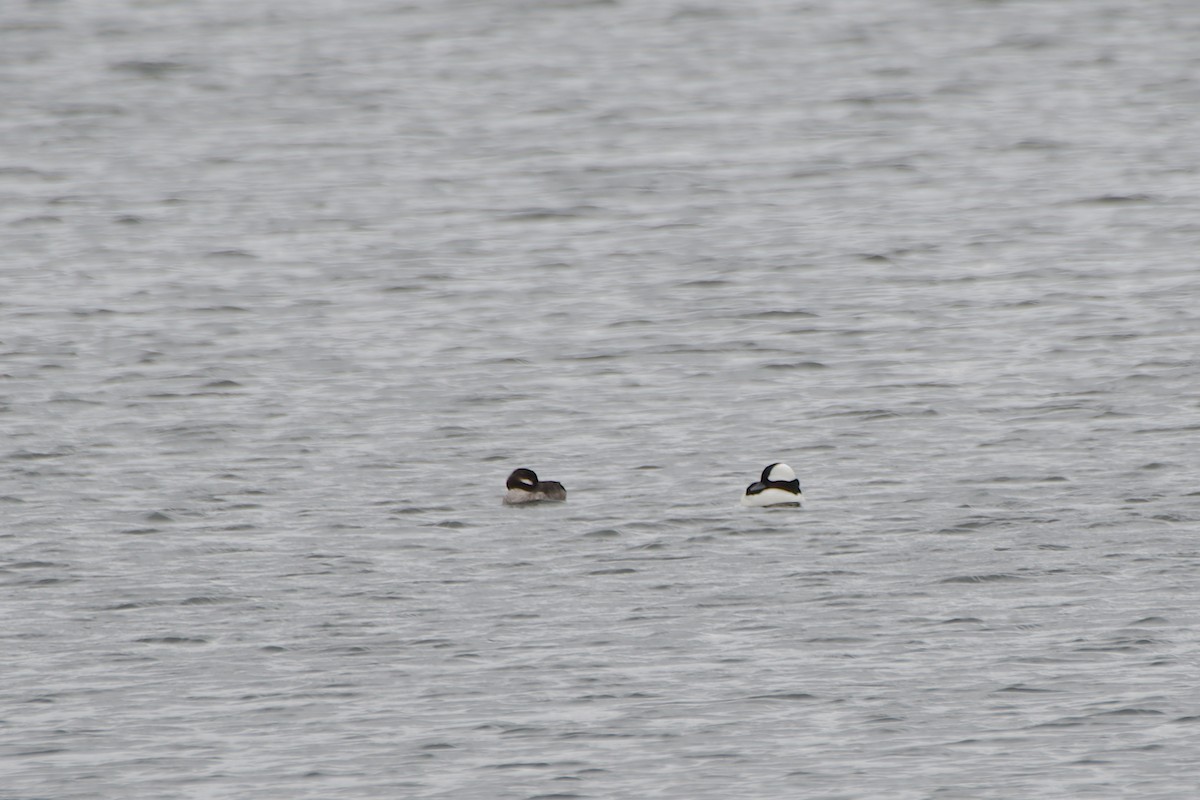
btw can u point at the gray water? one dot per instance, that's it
(288, 288)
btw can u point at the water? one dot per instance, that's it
(289, 288)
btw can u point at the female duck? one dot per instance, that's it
(524, 487)
(778, 486)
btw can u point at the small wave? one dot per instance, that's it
(796, 365)
(778, 314)
(992, 578)
(1131, 712)
(1111, 199)
(784, 696)
(149, 68)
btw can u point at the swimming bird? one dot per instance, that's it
(778, 486)
(524, 487)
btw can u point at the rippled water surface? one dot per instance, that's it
(289, 288)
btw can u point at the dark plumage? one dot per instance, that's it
(778, 486)
(524, 487)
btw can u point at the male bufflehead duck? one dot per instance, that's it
(778, 486)
(524, 487)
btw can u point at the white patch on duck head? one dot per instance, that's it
(525, 479)
(779, 472)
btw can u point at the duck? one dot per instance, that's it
(524, 487)
(778, 486)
